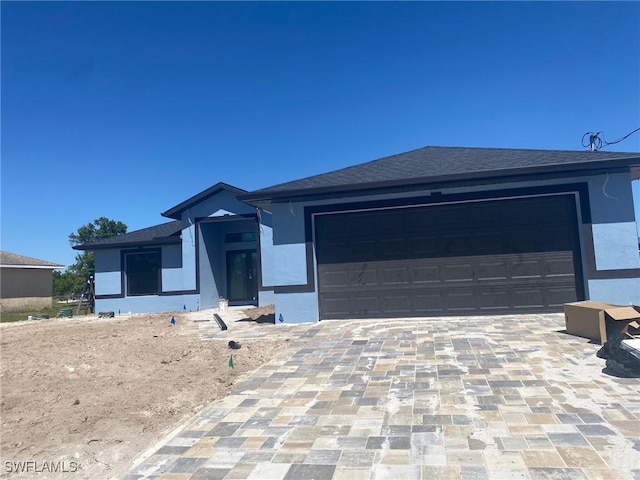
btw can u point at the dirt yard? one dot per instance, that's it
(95, 393)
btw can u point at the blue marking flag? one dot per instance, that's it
(280, 318)
(173, 321)
(184, 307)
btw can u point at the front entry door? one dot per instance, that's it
(242, 277)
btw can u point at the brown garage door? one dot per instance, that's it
(507, 256)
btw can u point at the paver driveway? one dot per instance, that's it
(473, 398)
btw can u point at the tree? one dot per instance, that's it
(75, 278)
(65, 284)
(100, 228)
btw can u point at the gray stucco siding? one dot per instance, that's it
(109, 270)
(267, 263)
(619, 291)
(151, 303)
(611, 198)
(615, 239)
(289, 247)
(189, 258)
(266, 297)
(290, 264)
(108, 277)
(171, 268)
(213, 255)
(296, 307)
(224, 203)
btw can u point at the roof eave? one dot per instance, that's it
(176, 212)
(146, 243)
(263, 201)
(40, 267)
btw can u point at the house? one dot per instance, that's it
(26, 283)
(215, 246)
(430, 232)
(455, 231)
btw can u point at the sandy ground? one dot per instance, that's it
(94, 393)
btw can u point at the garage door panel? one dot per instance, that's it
(523, 268)
(376, 303)
(423, 246)
(368, 305)
(396, 305)
(333, 279)
(362, 251)
(496, 270)
(448, 260)
(426, 274)
(428, 303)
(558, 296)
(458, 302)
(528, 298)
(461, 272)
(392, 248)
(363, 277)
(337, 307)
(559, 265)
(395, 276)
(494, 300)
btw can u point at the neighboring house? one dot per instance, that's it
(215, 247)
(455, 231)
(25, 283)
(430, 232)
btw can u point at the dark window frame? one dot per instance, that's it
(126, 254)
(240, 237)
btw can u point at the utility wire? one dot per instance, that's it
(597, 140)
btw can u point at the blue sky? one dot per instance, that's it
(124, 110)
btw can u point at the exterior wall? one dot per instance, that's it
(297, 307)
(211, 265)
(266, 297)
(25, 288)
(107, 272)
(615, 239)
(202, 242)
(224, 203)
(213, 256)
(267, 261)
(146, 304)
(289, 247)
(614, 245)
(171, 268)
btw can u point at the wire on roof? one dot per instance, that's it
(597, 140)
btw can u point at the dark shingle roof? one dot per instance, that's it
(15, 260)
(445, 164)
(163, 233)
(176, 211)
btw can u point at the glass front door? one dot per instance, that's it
(242, 277)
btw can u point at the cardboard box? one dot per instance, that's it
(595, 320)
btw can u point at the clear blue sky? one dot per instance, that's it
(124, 110)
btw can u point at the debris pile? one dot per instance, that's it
(616, 327)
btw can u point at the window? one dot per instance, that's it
(240, 237)
(143, 272)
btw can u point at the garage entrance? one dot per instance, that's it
(488, 257)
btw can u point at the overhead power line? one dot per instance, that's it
(597, 140)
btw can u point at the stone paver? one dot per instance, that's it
(450, 398)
